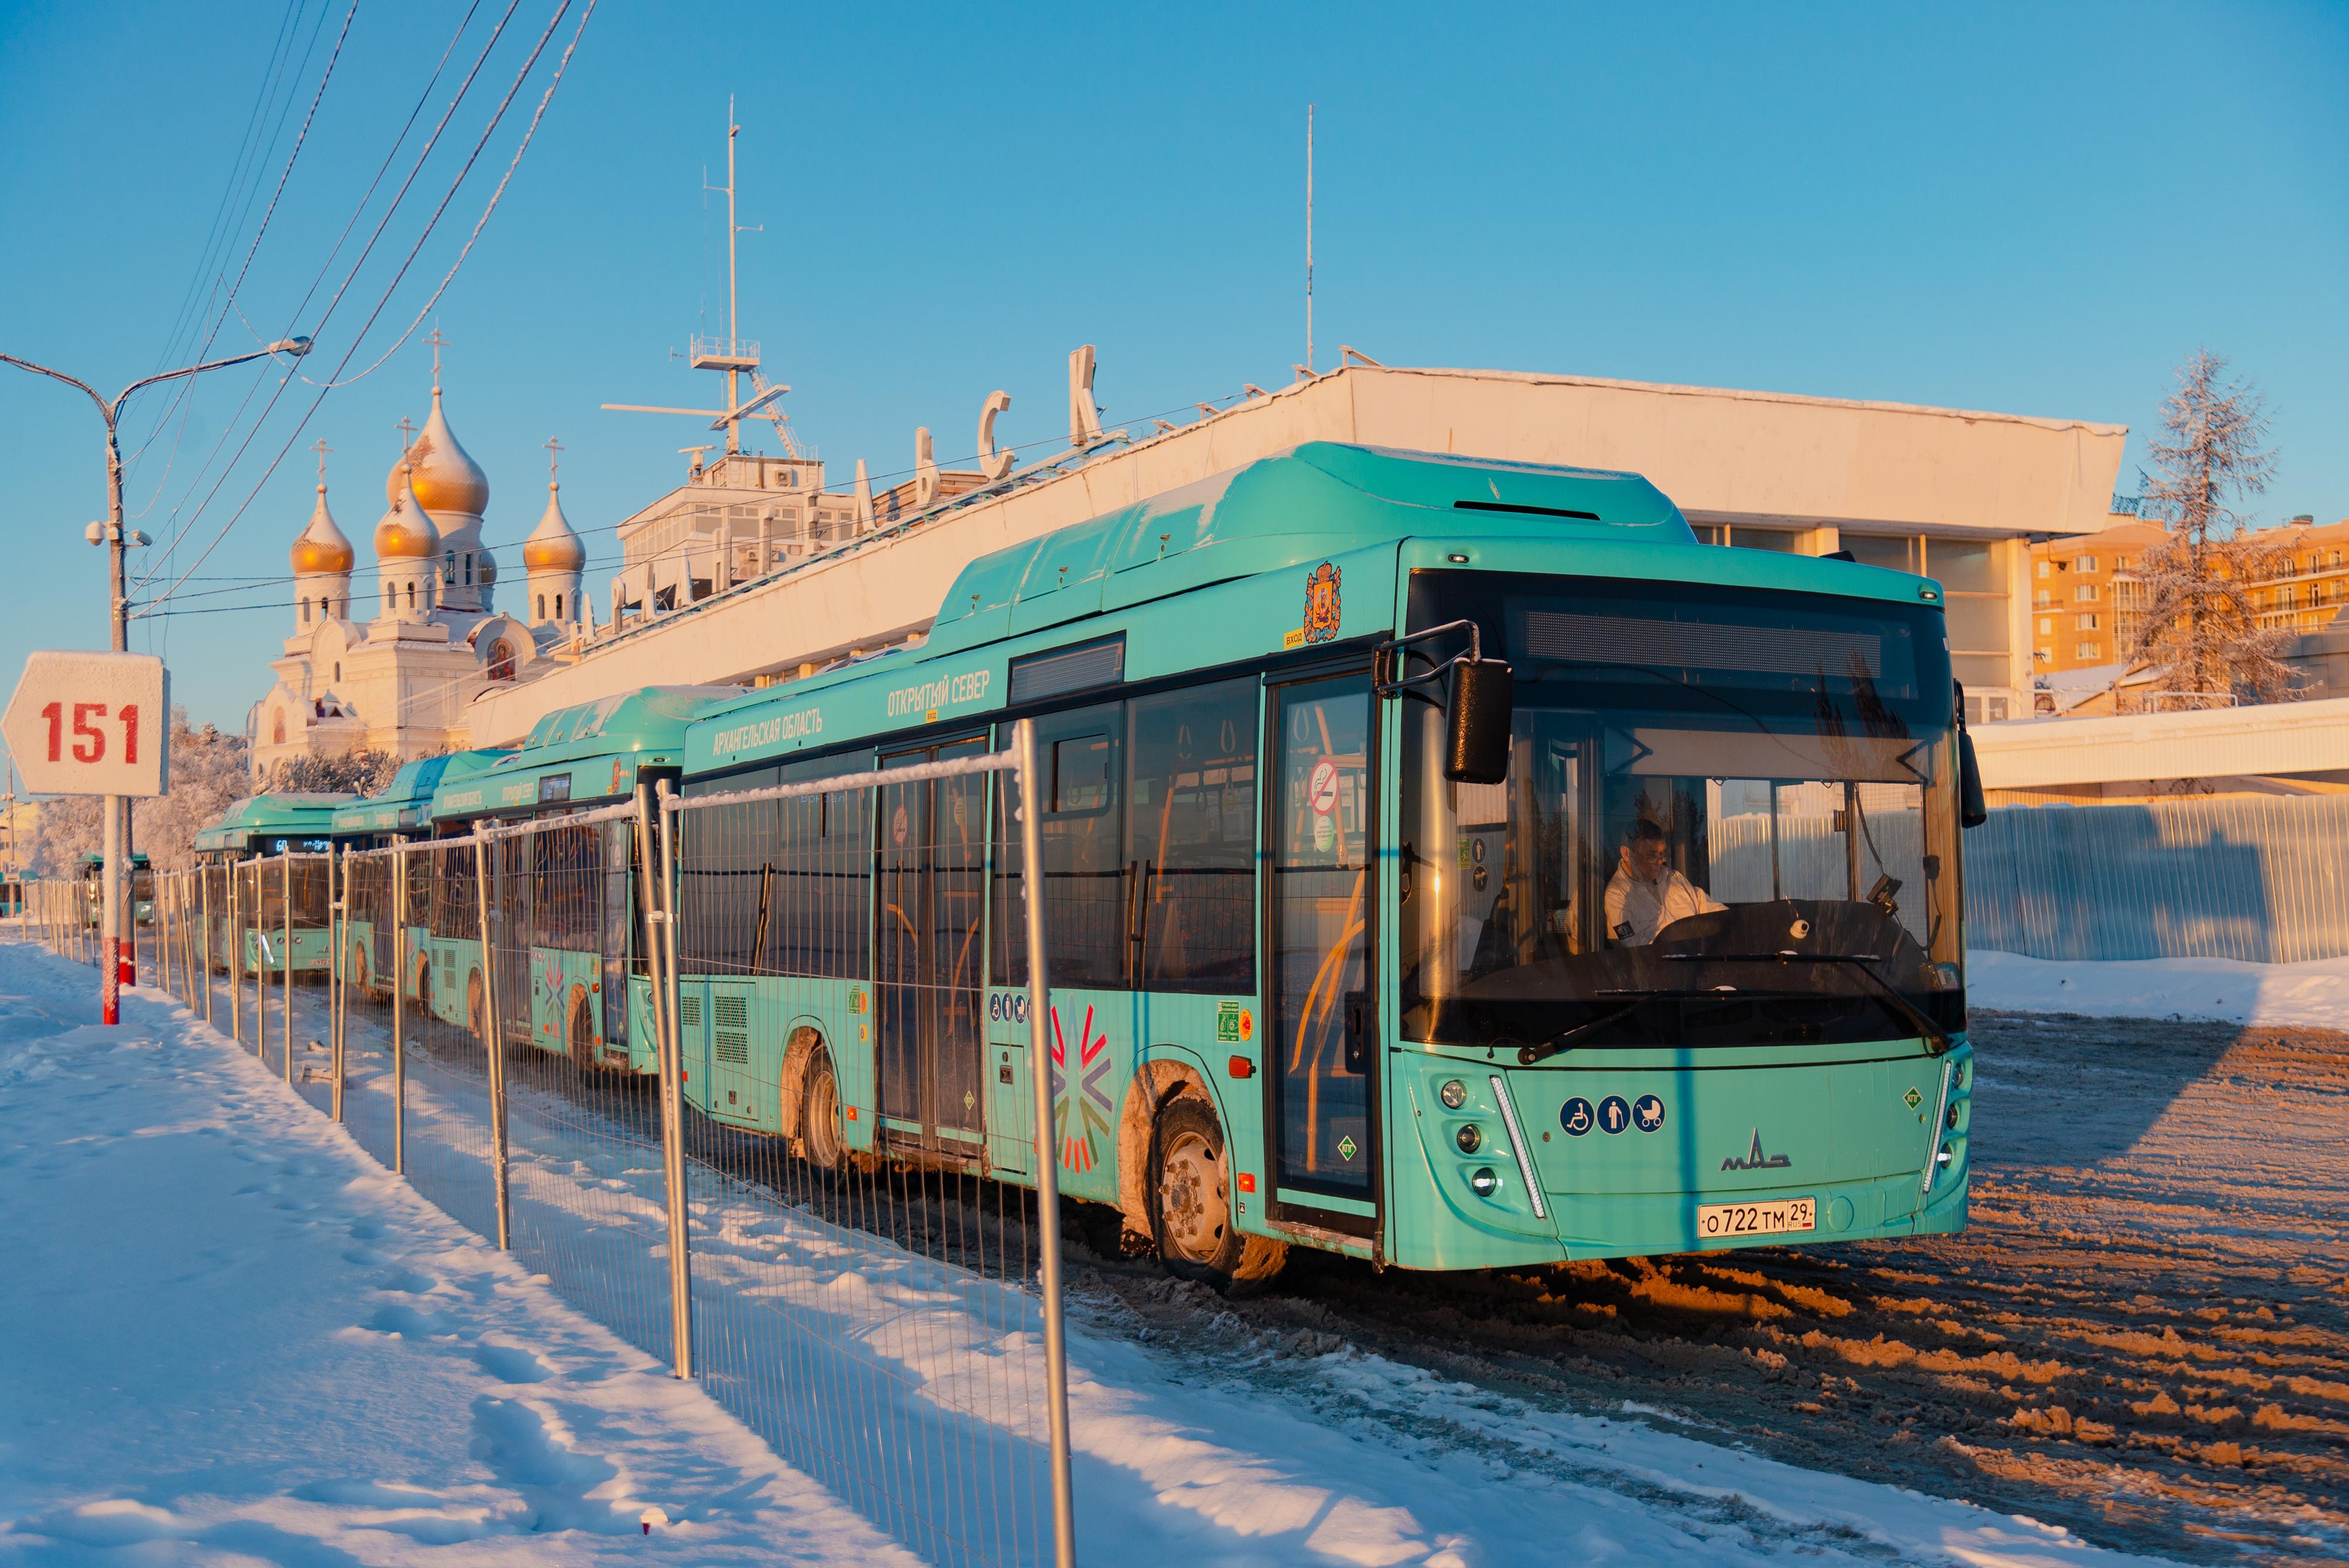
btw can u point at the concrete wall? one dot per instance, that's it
(2217, 743)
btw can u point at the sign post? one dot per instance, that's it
(95, 723)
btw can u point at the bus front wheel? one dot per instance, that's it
(1190, 1204)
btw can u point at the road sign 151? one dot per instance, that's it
(91, 724)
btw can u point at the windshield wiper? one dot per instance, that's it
(1529, 1055)
(1937, 1039)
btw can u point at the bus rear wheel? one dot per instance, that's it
(1191, 1216)
(820, 1131)
(473, 1004)
(582, 1032)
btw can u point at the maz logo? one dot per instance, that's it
(1755, 1159)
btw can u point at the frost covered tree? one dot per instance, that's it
(363, 771)
(2197, 623)
(209, 770)
(208, 774)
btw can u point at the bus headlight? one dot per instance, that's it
(1470, 1139)
(1484, 1181)
(1453, 1094)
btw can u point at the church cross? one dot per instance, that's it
(322, 449)
(438, 343)
(406, 435)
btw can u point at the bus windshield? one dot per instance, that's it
(1730, 818)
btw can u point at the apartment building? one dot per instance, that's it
(2085, 596)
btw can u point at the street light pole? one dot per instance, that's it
(117, 807)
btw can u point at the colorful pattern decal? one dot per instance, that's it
(1084, 1125)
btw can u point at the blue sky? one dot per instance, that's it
(2037, 210)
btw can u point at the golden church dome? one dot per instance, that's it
(406, 532)
(447, 480)
(553, 545)
(321, 548)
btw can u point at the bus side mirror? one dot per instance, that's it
(1477, 722)
(1972, 809)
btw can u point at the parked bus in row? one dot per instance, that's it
(93, 884)
(567, 920)
(1448, 861)
(268, 936)
(402, 812)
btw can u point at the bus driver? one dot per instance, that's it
(1644, 896)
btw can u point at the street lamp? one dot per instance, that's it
(117, 837)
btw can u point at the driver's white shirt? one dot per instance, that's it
(1650, 906)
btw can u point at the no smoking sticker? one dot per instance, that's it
(1321, 791)
(900, 824)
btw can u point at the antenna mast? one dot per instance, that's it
(733, 354)
(1308, 236)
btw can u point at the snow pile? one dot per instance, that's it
(2228, 991)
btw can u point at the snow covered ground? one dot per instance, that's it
(231, 1337)
(2229, 991)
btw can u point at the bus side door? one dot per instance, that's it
(1320, 899)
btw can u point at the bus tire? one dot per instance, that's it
(1191, 1206)
(821, 1138)
(424, 986)
(582, 1031)
(474, 1008)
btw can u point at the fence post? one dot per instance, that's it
(1048, 1149)
(660, 932)
(285, 965)
(492, 1035)
(338, 998)
(206, 885)
(398, 1011)
(235, 957)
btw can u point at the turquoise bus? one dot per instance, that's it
(400, 813)
(564, 905)
(93, 882)
(1450, 863)
(262, 825)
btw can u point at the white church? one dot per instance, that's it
(396, 670)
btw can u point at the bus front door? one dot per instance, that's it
(927, 956)
(1320, 893)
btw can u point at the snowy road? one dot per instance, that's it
(2144, 1336)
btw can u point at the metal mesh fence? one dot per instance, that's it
(447, 1120)
(587, 1179)
(859, 1281)
(375, 1009)
(722, 1075)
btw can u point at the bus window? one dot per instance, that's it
(1191, 836)
(1085, 879)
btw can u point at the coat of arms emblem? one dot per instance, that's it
(1321, 604)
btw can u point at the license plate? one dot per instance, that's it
(1724, 1222)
